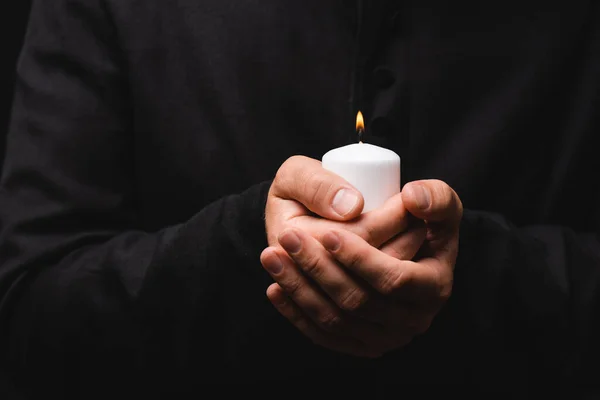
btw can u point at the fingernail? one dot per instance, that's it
(344, 201)
(422, 197)
(290, 242)
(273, 265)
(331, 241)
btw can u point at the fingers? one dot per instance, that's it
(317, 307)
(382, 224)
(402, 332)
(297, 286)
(334, 308)
(312, 301)
(318, 265)
(406, 245)
(386, 274)
(344, 289)
(443, 280)
(432, 200)
(292, 312)
(302, 186)
(322, 192)
(436, 202)
(376, 227)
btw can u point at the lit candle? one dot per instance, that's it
(374, 171)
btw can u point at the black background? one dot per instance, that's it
(13, 22)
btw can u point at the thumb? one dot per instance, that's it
(323, 192)
(433, 201)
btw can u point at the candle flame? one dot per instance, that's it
(360, 125)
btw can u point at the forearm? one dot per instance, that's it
(138, 300)
(536, 288)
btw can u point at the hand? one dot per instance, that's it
(405, 295)
(306, 196)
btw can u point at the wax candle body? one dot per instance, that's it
(373, 170)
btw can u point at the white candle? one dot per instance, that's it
(373, 170)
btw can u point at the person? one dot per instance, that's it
(162, 174)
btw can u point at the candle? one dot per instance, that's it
(374, 171)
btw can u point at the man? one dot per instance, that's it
(159, 153)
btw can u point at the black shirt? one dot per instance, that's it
(144, 137)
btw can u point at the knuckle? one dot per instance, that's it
(392, 280)
(280, 183)
(395, 252)
(354, 260)
(318, 187)
(441, 192)
(292, 162)
(282, 172)
(292, 286)
(354, 300)
(331, 322)
(446, 191)
(444, 287)
(294, 316)
(286, 174)
(368, 233)
(445, 292)
(447, 198)
(311, 264)
(314, 188)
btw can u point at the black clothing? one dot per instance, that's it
(145, 134)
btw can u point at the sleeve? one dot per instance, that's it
(83, 290)
(526, 301)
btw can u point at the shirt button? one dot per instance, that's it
(383, 78)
